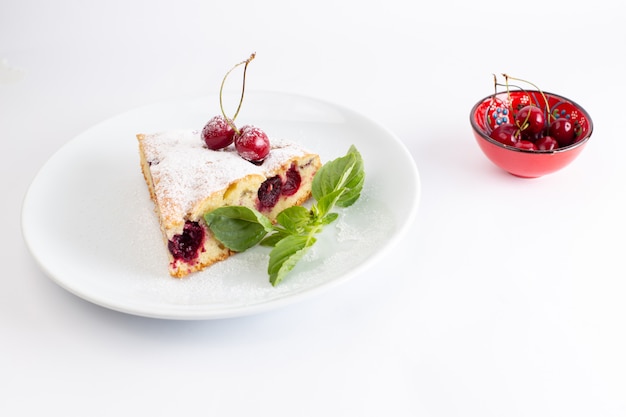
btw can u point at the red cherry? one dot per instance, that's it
(546, 143)
(217, 133)
(563, 131)
(530, 120)
(506, 133)
(526, 145)
(252, 144)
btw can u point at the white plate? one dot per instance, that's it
(88, 220)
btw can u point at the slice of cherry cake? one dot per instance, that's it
(187, 180)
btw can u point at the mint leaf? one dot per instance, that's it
(328, 219)
(273, 239)
(285, 256)
(354, 181)
(237, 227)
(326, 203)
(340, 181)
(294, 219)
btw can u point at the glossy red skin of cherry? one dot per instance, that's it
(252, 144)
(530, 120)
(546, 143)
(218, 133)
(563, 131)
(506, 133)
(526, 145)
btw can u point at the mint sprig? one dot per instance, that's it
(338, 183)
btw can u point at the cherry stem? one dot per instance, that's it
(545, 99)
(243, 88)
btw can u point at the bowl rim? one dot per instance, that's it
(535, 152)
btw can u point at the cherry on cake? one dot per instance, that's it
(186, 179)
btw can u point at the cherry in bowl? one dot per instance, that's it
(566, 131)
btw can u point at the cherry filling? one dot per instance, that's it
(272, 188)
(186, 245)
(269, 192)
(292, 180)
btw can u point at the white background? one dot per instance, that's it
(506, 297)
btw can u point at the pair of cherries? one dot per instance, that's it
(530, 130)
(251, 143)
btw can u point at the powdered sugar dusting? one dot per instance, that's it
(185, 171)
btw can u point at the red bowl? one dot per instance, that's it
(496, 108)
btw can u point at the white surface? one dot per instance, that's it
(116, 257)
(506, 297)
